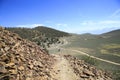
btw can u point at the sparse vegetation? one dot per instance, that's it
(90, 60)
(111, 49)
(43, 36)
(107, 43)
(116, 75)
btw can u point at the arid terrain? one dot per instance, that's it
(22, 59)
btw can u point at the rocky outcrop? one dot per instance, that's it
(21, 59)
(86, 71)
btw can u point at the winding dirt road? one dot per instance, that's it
(96, 57)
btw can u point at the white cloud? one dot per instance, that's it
(110, 22)
(29, 25)
(116, 14)
(62, 25)
(105, 22)
(88, 26)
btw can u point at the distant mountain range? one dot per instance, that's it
(114, 33)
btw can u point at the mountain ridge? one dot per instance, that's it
(43, 36)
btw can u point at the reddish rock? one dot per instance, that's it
(22, 59)
(87, 71)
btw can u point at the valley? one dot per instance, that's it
(88, 47)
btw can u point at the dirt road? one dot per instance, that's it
(94, 57)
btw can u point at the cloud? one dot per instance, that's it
(89, 26)
(62, 25)
(110, 22)
(105, 22)
(29, 25)
(116, 14)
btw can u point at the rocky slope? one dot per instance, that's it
(21, 59)
(86, 71)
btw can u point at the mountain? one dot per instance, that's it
(43, 36)
(112, 33)
(49, 32)
(112, 45)
(21, 59)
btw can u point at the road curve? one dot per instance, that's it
(94, 57)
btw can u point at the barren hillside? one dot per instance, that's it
(21, 59)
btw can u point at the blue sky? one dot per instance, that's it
(74, 16)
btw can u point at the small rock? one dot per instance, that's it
(13, 71)
(28, 78)
(84, 76)
(30, 66)
(6, 48)
(10, 64)
(87, 72)
(21, 68)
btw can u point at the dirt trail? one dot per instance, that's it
(94, 57)
(62, 70)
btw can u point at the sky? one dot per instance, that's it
(73, 16)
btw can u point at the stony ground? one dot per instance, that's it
(86, 71)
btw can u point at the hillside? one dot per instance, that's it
(49, 32)
(105, 46)
(112, 33)
(43, 36)
(100, 50)
(22, 59)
